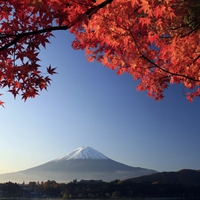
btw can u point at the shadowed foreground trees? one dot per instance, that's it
(98, 189)
(156, 42)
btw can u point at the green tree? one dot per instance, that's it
(192, 17)
(116, 194)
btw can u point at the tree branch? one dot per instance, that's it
(89, 13)
(157, 66)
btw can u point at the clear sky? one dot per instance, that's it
(88, 104)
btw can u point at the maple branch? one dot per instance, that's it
(159, 67)
(21, 35)
(195, 59)
(88, 13)
(171, 73)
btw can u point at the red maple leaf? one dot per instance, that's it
(2, 104)
(51, 70)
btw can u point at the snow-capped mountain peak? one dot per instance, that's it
(84, 152)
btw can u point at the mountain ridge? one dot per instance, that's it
(184, 176)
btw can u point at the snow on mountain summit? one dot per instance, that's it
(84, 152)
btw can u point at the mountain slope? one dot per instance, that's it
(185, 176)
(82, 163)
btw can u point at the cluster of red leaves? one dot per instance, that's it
(19, 68)
(144, 38)
(25, 27)
(147, 39)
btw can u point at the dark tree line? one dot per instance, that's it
(97, 189)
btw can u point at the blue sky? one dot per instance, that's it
(88, 104)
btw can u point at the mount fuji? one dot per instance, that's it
(84, 152)
(82, 163)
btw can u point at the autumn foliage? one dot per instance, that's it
(155, 41)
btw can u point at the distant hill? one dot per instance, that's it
(185, 176)
(82, 163)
